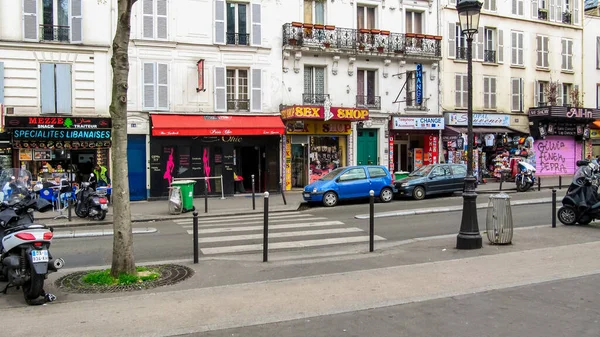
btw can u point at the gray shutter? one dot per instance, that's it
(534, 9)
(1, 83)
(493, 5)
(598, 53)
(520, 38)
(520, 7)
(546, 45)
(536, 93)
(76, 30)
(520, 94)
(30, 22)
(480, 46)
(513, 48)
(552, 10)
(256, 25)
(465, 86)
(451, 40)
(500, 46)
(308, 80)
(162, 86)
(452, 2)
(256, 90)
(319, 81)
(515, 88)
(486, 92)
(458, 90)
(220, 89)
(148, 19)
(219, 37)
(161, 20)
(559, 11)
(64, 89)
(570, 54)
(47, 88)
(149, 70)
(493, 92)
(563, 45)
(559, 94)
(575, 17)
(538, 48)
(514, 7)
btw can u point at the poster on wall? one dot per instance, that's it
(418, 158)
(391, 156)
(25, 155)
(557, 155)
(431, 150)
(325, 156)
(42, 155)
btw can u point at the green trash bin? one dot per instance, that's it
(187, 193)
(400, 174)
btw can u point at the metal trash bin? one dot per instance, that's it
(499, 222)
(175, 201)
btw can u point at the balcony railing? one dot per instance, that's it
(461, 53)
(54, 33)
(542, 14)
(238, 104)
(489, 56)
(238, 39)
(314, 98)
(364, 41)
(566, 18)
(368, 101)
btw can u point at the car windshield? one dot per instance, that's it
(422, 171)
(331, 175)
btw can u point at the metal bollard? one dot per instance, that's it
(266, 229)
(253, 201)
(501, 180)
(195, 230)
(560, 182)
(205, 195)
(283, 195)
(553, 208)
(539, 184)
(371, 220)
(70, 204)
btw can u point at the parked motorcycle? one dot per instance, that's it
(90, 203)
(25, 258)
(525, 177)
(580, 204)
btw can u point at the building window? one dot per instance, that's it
(541, 97)
(490, 45)
(516, 48)
(155, 19)
(517, 7)
(516, 91)
(411, 90)
(542, 51)
(461, 90)
(489, 5)
(237, 90)
(565, 94)
(365, 17)
(156, 86)
(567, 54)
(237, 24)
(55, 20)
(489, 92)
(366, 89)
(461, 43)
(598, 52)
(314, 11)
(56, 88)
(314, 85)
(414, 22)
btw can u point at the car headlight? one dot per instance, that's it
(314, 190)
(403, 184)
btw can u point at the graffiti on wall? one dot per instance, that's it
(556, 155)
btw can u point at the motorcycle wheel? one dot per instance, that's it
(81, 212)
(524, 187)
(567, 216)
(100, 216)
(33, 288)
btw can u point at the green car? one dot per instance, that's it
(432, 179)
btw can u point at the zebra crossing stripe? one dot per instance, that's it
(254, 222)
(279, 235)
(240, 217)
(257, 228)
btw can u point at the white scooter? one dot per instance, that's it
(525, 178)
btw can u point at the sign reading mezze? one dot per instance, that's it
(57, 122)
(322, 113)
(61, 134)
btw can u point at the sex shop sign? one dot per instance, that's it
(324, 113)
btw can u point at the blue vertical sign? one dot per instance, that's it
(419, 84)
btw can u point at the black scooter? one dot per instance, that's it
(89, 202)
(581, 204)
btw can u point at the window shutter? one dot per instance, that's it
(220, 89)
(64, 89)
(30, 22)
(319, 81)
(576, 89)
(534, 9)
(493, 92)
(256, 25)
(514, 94)
(465, 86)
(493, 5)
(219, 37)
(559, 95)
(452, 2)
(161, 20)
(546, 46)
(570, 54)
(162, 81)
(558, 15)
(536, 93)
(148, 19)
(538, 44)
(598, 52)
(452, 40)
(514, 7)
(480, 38)
(76, 30)
(563, 45)
(520, 7)
(500, 46)
(552, 10)
(149, 85)
(486, 92)
(1, 82)
(47, 88)
(513, 48)
(520, 94)
(458, 90)
(520, 51)
(575, 12)
(256, 93)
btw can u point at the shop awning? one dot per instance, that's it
(596, 125)
(216, 125)
(483, 129)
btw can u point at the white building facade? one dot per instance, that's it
(54, 80)
(349, 69)
(591, 64)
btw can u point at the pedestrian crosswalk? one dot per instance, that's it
(287, 231)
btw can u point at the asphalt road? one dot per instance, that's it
(562, 308)
(330, 227)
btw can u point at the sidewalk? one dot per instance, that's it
(546, 182)
(230, 293)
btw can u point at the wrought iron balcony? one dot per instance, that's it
(461, 53)
(238, 104)
(54, 33)
(360, 41)
(566, 18)
(489, 56)
(238, 39)
(368, 101)
(542, 14)
(314, 98)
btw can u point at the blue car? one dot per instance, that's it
(352, 182)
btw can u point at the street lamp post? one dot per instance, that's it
(469, 236)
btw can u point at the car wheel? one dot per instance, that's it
(386, 194)
(419, 193)
(330, 199)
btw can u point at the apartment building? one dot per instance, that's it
(591, 64)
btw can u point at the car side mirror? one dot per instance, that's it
(431, 176)
(338, 180)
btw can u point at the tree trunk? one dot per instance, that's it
(122, 259)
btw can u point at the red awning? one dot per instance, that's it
(216, 125)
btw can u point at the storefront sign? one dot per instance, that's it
(32, 134)
(320, 113)
(431, 149)
(417, 123)
(459, 118)
(318, 128)
(419, 84)
(556, 155)
(565, 112)
(391, 146)
(61, 144)
(58, 122)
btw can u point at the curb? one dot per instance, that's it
(421, 211)
(96, 233)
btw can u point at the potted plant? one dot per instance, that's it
(380, 45)
(327, 42)
(292, 41)
(361, 46)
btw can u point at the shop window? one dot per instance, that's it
(542, 51)
(376, 172)
(154, 19)
(461, 90)
(237, 90)
(314, 11)
(489, 92)
(414, 22)
(365, 17)
(237, 24)
(314, 85)
(156, 86)
(56, 88)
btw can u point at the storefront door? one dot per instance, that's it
(299, 165)
(136, 163)
(367, 147)
(401, 156)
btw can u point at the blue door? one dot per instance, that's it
(136, 159)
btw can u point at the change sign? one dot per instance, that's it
(419, 84)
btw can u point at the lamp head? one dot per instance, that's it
(468, 15)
